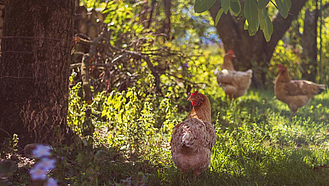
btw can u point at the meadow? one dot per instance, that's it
(258, 143)
(124, 136)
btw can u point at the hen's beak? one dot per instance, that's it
(232, 57)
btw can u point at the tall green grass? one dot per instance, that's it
(257, 142)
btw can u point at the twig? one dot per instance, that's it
(5, 132)
(107, 65)
(198, 84)
(15, 77)
(274, 4)
(150, 65)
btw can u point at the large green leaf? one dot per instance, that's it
(262, 3)
(219, 14)
(261, 19)
(265, 24)
(225, 5)
(203, 5)
(283, 6)
(251, 14)
(287, 3)
(268, 26)
(235, 7)
(251, 32)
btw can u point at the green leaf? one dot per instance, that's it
(284, 7)
(261, 19)
(262, 3)
(251, 32)
(268, 26)
(235, 7)
(219, 14)
(250, 12)
(203, 5)
(287, 3)
(265, 23)
(225, 5)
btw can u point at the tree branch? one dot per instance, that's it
(325, 6)
(281, 25)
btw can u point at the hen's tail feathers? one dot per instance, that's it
(249, 72)
(186, 140)
(322, 88)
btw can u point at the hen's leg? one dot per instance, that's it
(184, 175)
(293, 114)
(195, 174)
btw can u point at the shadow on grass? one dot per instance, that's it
(288, 168)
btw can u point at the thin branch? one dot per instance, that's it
(274, 5)
(186, 80)
(325, 6)
(106, 65)
(150, 65)
(15, 77)
(5, 132)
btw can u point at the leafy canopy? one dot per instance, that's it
(255, 12)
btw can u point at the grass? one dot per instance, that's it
(256, 144)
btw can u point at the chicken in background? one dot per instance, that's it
(193, 139)
(234, 83)
(295, 93)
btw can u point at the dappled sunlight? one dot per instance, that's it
(133, 66)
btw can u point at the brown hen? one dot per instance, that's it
(295, 93)
(193, 139)
(234, 83)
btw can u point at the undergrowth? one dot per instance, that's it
(124, 139)
(257, 142)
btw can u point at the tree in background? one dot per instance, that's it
(253, 51)
(34, 70)
(307, 31)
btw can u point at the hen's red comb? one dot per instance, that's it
(280, 65)
(194, 93)
(231, 52)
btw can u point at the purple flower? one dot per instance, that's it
(41, 151)
(47, 163)
(51, 182)
(186, 65)
(38, 173)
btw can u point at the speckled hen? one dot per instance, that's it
(193, 139)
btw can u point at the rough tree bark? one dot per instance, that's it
(308, 41)
(253, 51)
(34, 70)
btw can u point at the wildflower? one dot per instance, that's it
(51, 182)
(38, 173)
(41, 151)
(47, 163)
(186, 65)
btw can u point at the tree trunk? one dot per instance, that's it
(253, 51)
(34, 70)
(309, 55)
